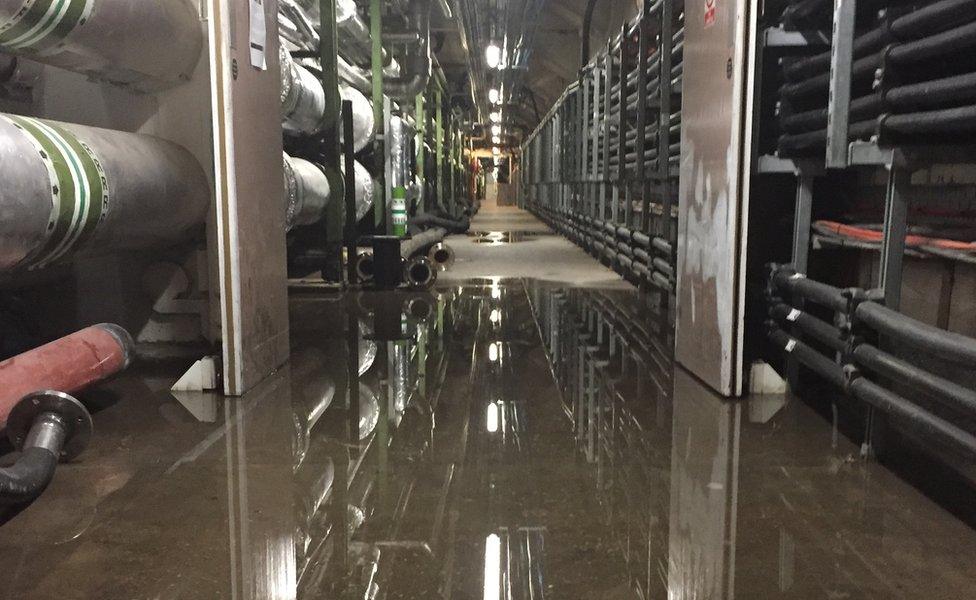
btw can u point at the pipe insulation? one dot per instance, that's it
(307, 192)
(303, 103)
(139, 44)
(70, 188)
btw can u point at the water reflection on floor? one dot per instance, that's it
(508, 440)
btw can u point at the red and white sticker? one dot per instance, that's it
(710, 12)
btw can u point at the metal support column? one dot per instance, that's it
(895, 231)
(839, 98)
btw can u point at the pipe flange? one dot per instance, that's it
(76, 417)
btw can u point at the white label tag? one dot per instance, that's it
(258, 39)
(793, 316)
(790, 345)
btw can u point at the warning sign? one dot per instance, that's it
(710, 12)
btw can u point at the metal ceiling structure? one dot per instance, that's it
(539, 40)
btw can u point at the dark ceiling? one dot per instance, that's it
(553, 52)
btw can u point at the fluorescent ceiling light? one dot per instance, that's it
(493, 55)
(496, 129)
(493, 96)
(496, 139)
(493, 567)
(491, 419)
(495, 117)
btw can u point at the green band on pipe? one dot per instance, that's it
(399, 211)
(42, 24)
(79, 188)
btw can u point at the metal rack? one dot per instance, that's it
(601, 168)
(842, 107)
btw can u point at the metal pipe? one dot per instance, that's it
(418, 73)
(419, 272)
(145, 46)
(69, 188)
(587, 26)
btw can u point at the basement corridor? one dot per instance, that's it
(515, 436)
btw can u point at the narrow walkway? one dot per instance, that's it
(508, 242)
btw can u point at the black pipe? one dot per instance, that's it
(936, 342)
(948, 121)
(789, 281)
(934, 46)
(862, 70)
(810, 358)
(34, 470)
(923, 422)
(865, 107)
(422, 241)
(948, 91)
(882, 363)
(823, 332)
(792, 144)
(866, 43)
(28, 477)
(934, 18)
(425, 220)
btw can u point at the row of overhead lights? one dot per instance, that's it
(493, 57)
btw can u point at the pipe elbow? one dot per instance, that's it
(26, 479)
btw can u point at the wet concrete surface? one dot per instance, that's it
(508, 439)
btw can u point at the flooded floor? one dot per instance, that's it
(507, 439)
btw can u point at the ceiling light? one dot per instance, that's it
(493, 55)
(493, 96)
(496, 151)
(495, 117)
(496, 139)
(491, 419)
(496, 130)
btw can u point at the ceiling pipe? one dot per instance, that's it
(587, 26)
(418, 73)
(145, 46)
(70, 189)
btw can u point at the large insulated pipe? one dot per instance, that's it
(40, 416)
(303, 103)
(307, 192)
(140, 44)
(69, 188)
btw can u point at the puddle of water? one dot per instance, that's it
(510, 433)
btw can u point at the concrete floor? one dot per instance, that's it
(525, 456)
(540, 254)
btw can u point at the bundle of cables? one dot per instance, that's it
(921, 241)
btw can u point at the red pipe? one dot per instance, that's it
(68, 365)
